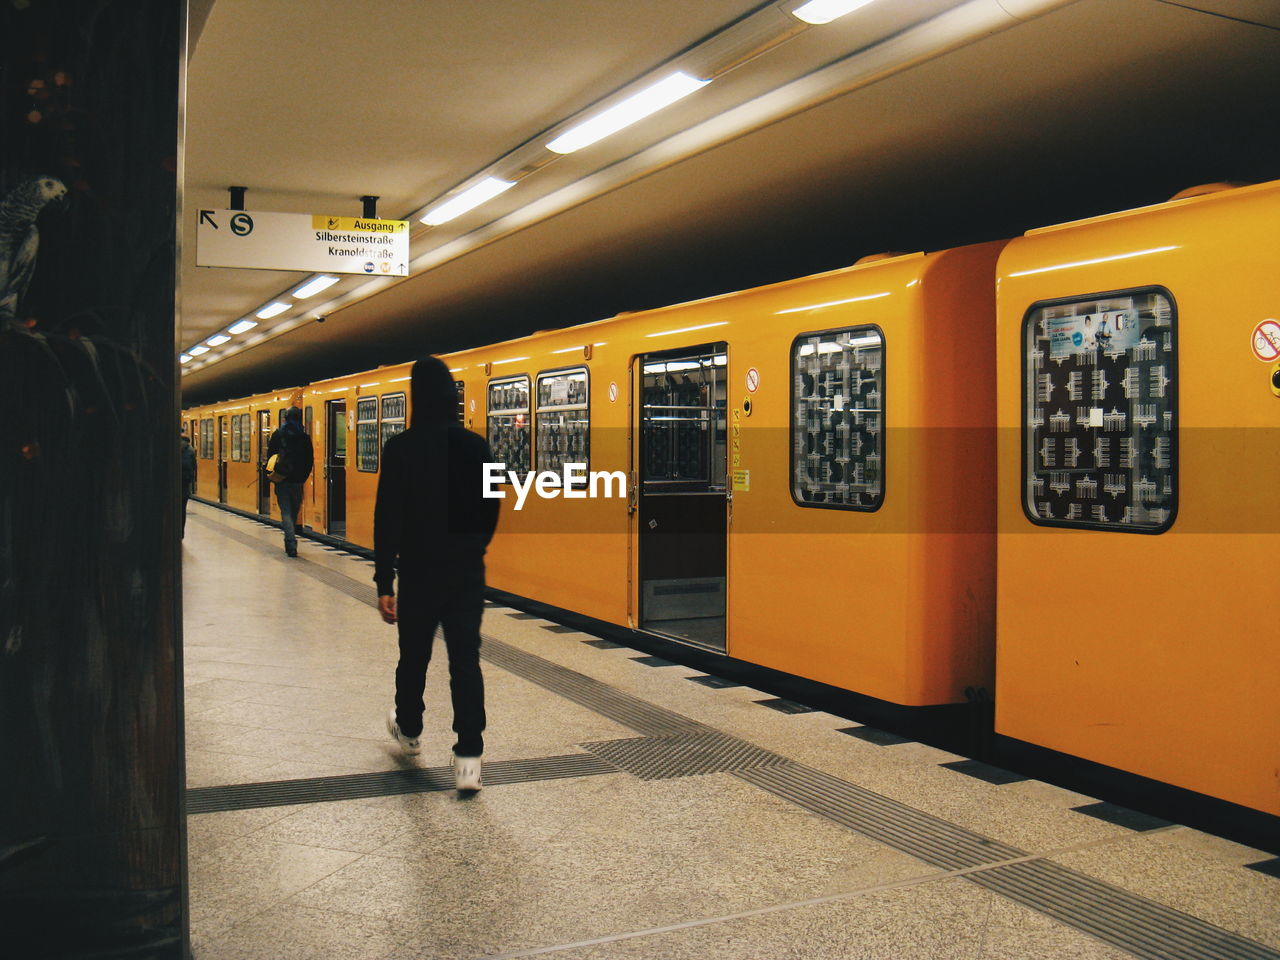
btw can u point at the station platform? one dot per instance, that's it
(633, 808)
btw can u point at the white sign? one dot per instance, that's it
(1266, 341)
(302, 241)
(613, 391)
(753, 380)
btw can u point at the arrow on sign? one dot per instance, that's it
(207, 215)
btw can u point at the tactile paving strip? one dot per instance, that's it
(387, 783)
(688, 755)
(1125, 920)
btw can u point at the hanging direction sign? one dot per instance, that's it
(302, 241)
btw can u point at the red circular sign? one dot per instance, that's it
(753, 380)
(1266, 341)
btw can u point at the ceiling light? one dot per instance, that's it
(196, 351)
(468, 199)
(314, 286)
(242, 325)
(273, 309)
(185, 358)
(636, 107)
(824, 11)
(217, 340)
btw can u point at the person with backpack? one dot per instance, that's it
(294, 458)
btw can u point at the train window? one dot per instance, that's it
(461, 387)
(393, 409)
(509, 422)
(1100, 411)
(563, 419)
(367, 434)
(236, 429)
(683, 420)
(837, 419)
(308, 418)
(206, 439)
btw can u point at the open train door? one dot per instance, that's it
(679, 529)
(224, 442)
(335, 466)
(264, 485)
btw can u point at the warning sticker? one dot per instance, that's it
(742, 480)
(753, 380)
(1266, 341)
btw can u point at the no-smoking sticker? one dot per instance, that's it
(753, 380)
(613, 391)
(1266, 341)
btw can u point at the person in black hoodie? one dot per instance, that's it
(432, 522)
(293, 445)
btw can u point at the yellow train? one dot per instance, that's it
(1037, 467)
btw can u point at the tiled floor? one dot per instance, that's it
(289, 678)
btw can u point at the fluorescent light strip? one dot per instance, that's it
(242, 325)
(824, 11)
(1089, 263)
(702, 326)
(832, 303)
(468, 199)
(196, 351)
(217, 340)
(273, 309)
(636, 107)
(314, 286)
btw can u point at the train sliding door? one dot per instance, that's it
(224, 442)
(681, 523)
(335, 466)
(264, 485)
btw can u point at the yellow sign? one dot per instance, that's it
(370, 225)
(742, 480)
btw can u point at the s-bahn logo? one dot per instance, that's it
(573, 482)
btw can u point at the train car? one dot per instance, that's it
(1139, 396)
(230, 440)
(349, 419)
(809, 473)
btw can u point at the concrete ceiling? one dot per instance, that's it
(885, 133)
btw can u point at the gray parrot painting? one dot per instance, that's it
(20, 238)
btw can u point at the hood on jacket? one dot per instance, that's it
(435, 398)
(292, 421)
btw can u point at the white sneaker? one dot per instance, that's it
(408, 744)
(466, 773)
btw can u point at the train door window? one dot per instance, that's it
(308, 419)
(837, 419)
(246, 437)
(367, 434)
(509, 422)
(1099, 411)
(461, 387)
(236, 429)
(393, 411)
(683, 407)
(563, 419)
(206, 439)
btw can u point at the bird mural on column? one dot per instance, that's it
(20, 238)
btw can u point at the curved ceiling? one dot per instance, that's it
(903, 126)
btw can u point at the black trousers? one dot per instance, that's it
(455, 603)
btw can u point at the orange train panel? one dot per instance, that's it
(895, 603)
(1156, 652)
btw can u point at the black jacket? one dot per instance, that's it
(430, 515)
(188, 465)
(295, 444)
(431, 520)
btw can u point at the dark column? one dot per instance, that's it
(92, 835)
